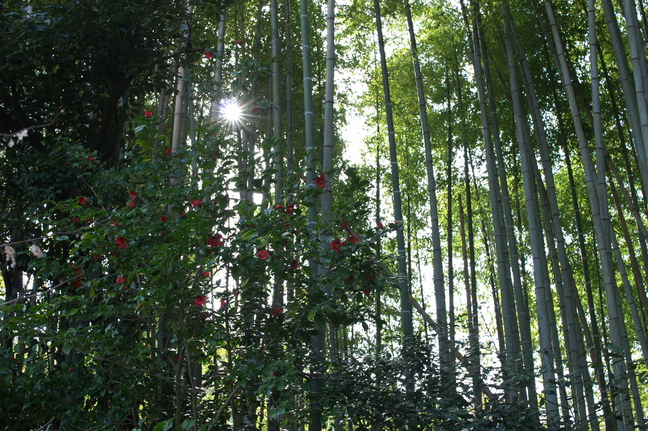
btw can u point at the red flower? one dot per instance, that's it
(196, 203)
(344, 225)
(200, 300)
(367, 291)
(205, 273)
(380, 225)
(321, 181)
(350, 279)
(294, 265)
(169, 151)
(263, 254)
(353, 239)
(370, 278)
(82, 200)
(91, 158)
(132, 203)
(95, 256)
(121, 280)
(215, 240)
(77, 283)
(278, 207)
(239, 41)
(148, 114)
(277, 310)
(209, 55)
(132, 194)
(75, 219)
(290, 209)
(336, 245)
(121, 242)
(164, 218)
(223, 303)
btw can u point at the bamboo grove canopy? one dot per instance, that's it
(306, 215)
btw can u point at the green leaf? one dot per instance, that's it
(249, 233)
(208, 165)
(311, 314)
(67, 349)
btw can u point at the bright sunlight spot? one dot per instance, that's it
(230, 111)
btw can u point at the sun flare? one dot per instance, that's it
(230, 111)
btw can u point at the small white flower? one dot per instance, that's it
(19, 135)
(36, 251)
(11, 255)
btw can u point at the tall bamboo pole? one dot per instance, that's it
(445, 358)
(508, 310)
(406, 308)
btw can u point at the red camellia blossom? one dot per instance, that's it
(148, 114)
(132, 194)
(91, 158)
(367, 291)
(215, 240)
(206, 274)
(263, 254)
(321, 181)
(336, 245)
(196, 203)
(290, 209)
(132, 203)
(164, 218)
(380, 225)
(239, 41)
(353, 239)
(75, 219)
(169, 151)
(200, 300)
(209, 55)
(278, 207)
(82, 200)
(223, 303)
(277, 310)
(121, 242)
(294, 265)
(344, 225)
(121, 280)
(95, 256)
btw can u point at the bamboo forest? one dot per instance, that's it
(308, 215)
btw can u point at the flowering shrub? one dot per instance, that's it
(129, 278)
